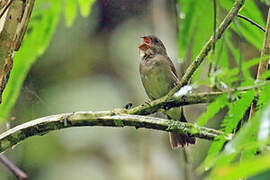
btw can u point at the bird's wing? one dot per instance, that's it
(171, 66)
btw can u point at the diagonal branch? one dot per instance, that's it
(103, 118)
(13, 168)
(263, 65)
(208, 46)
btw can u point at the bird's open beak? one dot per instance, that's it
(144, 47)
(146, 43)
(146, 40)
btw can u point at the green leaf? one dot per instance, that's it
(195, 27)
(212, 109)
(251, 33)
(264, 97)
(253, 135)
(85, 7)
(231, 120)
(228, 76)
(243, 169)
(236, 111)
(41, 28)
(266, 74)
(70, 11)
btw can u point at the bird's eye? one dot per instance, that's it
(155, 40)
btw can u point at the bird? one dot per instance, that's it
(158, 76)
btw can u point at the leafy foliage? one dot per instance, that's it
(43, 23)
(212, 109)
(71, 9)
(236, 112)
(237, 158)
(226, 160)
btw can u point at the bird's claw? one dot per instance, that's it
(128, 105)
(148, 101)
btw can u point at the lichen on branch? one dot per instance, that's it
(103, 118)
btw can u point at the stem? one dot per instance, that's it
(208, 46)
(263, 65)
(215, 23)
(212, 62)
(13, 168)
(251, 22)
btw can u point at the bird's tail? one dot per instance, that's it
(180, 140)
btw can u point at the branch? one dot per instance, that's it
(188, 99)
(263, 65)
(13, 168)
(265, 49)
(121, 118)
(208, 46)
(7, 41)
(251, 22)
(103, 118)
(15, 25)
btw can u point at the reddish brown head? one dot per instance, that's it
(154, 43)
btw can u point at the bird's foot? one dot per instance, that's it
(128, 106)
(148, 101)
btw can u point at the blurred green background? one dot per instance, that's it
(93, 65)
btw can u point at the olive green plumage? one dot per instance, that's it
(158, 76)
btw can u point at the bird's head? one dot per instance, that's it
(152, 45)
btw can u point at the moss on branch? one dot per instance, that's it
(121, 118)
(167, 102)
(104, 118)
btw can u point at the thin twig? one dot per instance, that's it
(13, 168)
(215, 23)
(263, 65)
(208, 46)
(211, 65)
(251, 22)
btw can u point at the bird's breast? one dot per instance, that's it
(156, 78)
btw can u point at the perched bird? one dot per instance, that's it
(159, 76)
